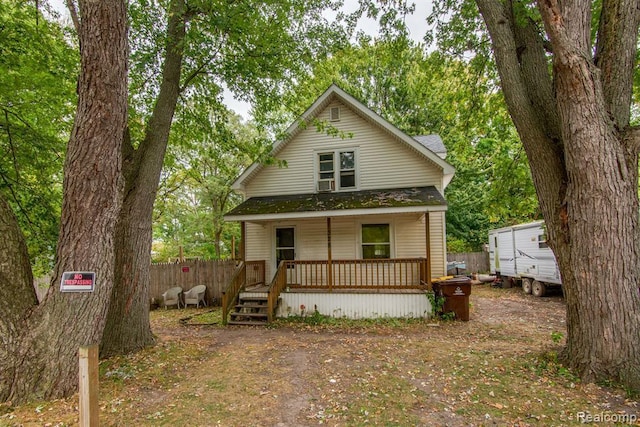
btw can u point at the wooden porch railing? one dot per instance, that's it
(248, 273)
(230, 294)
(382, 274)
(399, 273)
(278, 284)
(255, 273)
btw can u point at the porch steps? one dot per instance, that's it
(251, 310)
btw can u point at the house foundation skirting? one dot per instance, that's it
(355, 305)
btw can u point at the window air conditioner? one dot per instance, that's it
(326, 185)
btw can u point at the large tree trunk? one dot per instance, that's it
(583, 158)
(41, 357)
(128, 327)
(17, 294)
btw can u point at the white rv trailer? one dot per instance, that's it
(520, 254)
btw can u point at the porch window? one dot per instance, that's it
(376, 242)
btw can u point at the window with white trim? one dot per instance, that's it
(542, 241)
(376, 241)
(337, 170)
(347, 169)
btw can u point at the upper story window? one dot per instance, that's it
(347, 169)
(334, 114)
(337, 170)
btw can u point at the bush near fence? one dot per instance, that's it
(476, 262)
(215, 275)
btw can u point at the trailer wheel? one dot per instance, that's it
(526, 286)
(538, 289)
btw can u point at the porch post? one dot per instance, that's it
(329, 265)
(233, 247)
(243, 241)
(427, 228)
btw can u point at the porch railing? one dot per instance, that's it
(398, 273)
(255, 273)
(278, 284)
(230, 294)
(248, 273)
(380, 274)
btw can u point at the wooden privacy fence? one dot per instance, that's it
(476, 262)
(215, 275)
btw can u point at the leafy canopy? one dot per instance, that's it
(38, 69)
(432, 93)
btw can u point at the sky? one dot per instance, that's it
(416, 24)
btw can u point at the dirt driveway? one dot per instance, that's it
(500, 368)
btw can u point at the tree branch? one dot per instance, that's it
(616, 55)
(537, 78)
(543, 148)
(195, 73)
(74, 14)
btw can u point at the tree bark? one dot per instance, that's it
(128, 327)
(584, 167)
(17, 294)
(42, 359)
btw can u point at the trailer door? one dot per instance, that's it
(506, 255)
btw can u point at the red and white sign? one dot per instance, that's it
(77, 281)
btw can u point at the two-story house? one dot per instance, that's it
(353, 226)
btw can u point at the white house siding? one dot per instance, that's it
(381, 161)
(408, 239)
(355, 306)
(438, 244)
(258, 245)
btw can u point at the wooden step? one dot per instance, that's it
(254, 299)
(249, 314)
(251, 310)
(251, 306)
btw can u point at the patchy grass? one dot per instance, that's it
(209, 317)
(500, 368)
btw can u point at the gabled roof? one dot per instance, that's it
(389, 201)
(333, 93)
(433, 143)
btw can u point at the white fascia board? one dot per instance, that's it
(337, 213)
(446, 180)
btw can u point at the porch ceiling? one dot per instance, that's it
(366, 202)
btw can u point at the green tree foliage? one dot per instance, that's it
(431, 93)
(38, 70)
(184, 54)
(252, 49)
(568, 71)
(208, 153)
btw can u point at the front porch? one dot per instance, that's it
(361, 288)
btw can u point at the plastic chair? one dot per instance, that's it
(172, 297)
(195, 296)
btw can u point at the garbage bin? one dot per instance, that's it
(456, 293)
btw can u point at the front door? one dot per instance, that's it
(285, 244)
